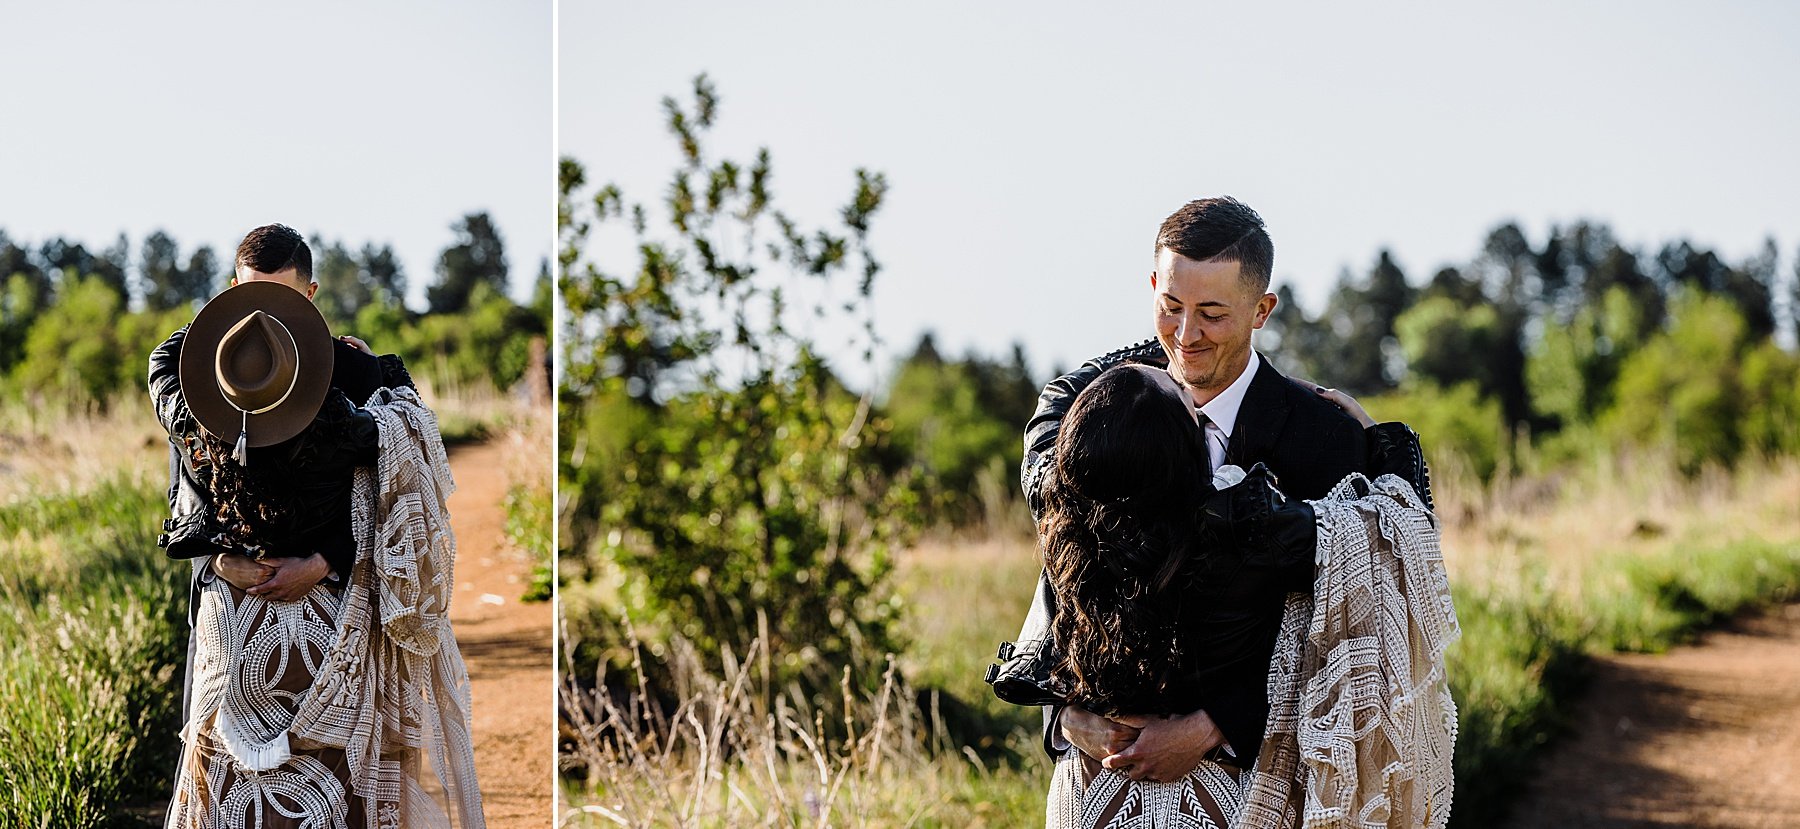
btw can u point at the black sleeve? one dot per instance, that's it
(1394, 449)
(394, 374)
(350, 429)
(165, 383)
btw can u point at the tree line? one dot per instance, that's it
(76, 322)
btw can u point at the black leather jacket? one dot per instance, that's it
(316, 464)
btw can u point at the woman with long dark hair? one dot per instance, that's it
(1157, 615)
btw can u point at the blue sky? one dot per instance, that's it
(1033, 148)
(381, 121)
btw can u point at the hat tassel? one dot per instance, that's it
(241, 452)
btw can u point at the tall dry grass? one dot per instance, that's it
(1621, 552)
(729, 749)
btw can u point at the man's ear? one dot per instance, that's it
(1153, 280)
(1265, 305)
(312, 289)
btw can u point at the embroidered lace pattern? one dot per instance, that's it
(1084, 794)
(1361, 727)
(1361, 724)
(349, 710)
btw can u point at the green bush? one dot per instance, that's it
(1681, 392)
(746, 495)
(1456, 421)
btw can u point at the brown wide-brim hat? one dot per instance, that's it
(256, 361)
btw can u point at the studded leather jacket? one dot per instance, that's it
(314, 467)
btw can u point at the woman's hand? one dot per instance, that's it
(359, 345)
(1347, 403)
(293, 578)
(1166, 748)
(1095, 735)
(243, 572)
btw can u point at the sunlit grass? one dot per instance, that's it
(1548, 570)
(90, 654)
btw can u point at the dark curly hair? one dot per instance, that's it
(1122, 543)
(256, 505)
(251, 504)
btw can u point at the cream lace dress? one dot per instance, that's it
(1361, 726)
(350, 707)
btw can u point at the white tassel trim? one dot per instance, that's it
(249, 755)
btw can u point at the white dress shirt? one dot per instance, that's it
(1222, 412)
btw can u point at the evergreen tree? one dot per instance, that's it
(381, 271)
(477, 257)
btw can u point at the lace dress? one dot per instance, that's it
(350, 707)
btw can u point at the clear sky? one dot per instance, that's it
(361, 121)
(1033, 148)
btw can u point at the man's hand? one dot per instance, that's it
(1166, 748)
(243, 572)
(358, 344)
(292, 579)
(1095, 735)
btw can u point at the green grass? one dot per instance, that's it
(528, 526)
(89, 656)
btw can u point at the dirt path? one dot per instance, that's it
(1706, 735)
(506, 644)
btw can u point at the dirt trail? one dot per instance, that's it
(1706, 735)
(506, 646)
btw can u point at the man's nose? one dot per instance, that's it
(1188, 331)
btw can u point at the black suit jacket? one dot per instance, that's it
(1308, 443)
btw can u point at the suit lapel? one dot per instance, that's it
(1260, 418)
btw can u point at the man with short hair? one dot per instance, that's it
(1209, 293)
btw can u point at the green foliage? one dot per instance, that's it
(1572, 373)
(1770, 378)
(489, 341)
(20, 304)
(1352, 345)
(478, 257)
(1456, 422)
(528, 528)
(1447, 342)
(956, 421)
(166, 284)
(713, 456)
(72, 351)
(1681, 391)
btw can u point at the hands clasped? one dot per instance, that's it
(275, 579)
(1158, 749)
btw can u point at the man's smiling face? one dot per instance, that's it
(1204, 314)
